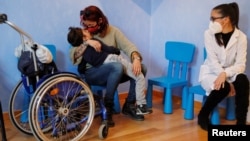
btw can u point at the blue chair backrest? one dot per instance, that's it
(52, 49)
(179, 55)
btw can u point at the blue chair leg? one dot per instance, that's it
(184, 97)
(164, 95)
(149, 95)
(117, 107)
(215, 116)
(230, 108)
(189, 111)
(168, 106)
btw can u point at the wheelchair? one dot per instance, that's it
(61, 105)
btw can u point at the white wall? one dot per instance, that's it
(148, 24)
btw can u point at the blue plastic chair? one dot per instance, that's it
(215, 116)
(52, 49)
(179, 55)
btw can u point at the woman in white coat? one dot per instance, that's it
(222, 73)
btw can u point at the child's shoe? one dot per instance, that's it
(142, 109)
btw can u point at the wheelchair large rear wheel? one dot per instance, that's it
(61, 109)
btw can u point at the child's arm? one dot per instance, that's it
(76, 54)
(109, 49)
(79, 51)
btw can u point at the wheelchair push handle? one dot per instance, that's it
(3, 17)
(23, 35)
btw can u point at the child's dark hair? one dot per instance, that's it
(75, 36)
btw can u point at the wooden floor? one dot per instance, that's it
(156, 127)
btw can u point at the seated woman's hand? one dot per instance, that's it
(220, 80)
(95, 44)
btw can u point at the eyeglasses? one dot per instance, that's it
(90, 25)
(215, 18)
(86, 13)
(81, 12)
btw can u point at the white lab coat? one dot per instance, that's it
(231, 59)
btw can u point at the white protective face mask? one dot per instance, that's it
(215, 27)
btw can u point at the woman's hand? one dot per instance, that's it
(136, 67)
(219, 82)
(95, 44)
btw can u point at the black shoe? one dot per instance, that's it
(110, 121)
(238, 122)
(130, 110)
(203, 122)
(142, 109)
(109, 114)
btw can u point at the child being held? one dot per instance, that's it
(77, 38)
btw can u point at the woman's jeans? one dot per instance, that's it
(110, 75)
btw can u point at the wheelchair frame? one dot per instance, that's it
(62, 106)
